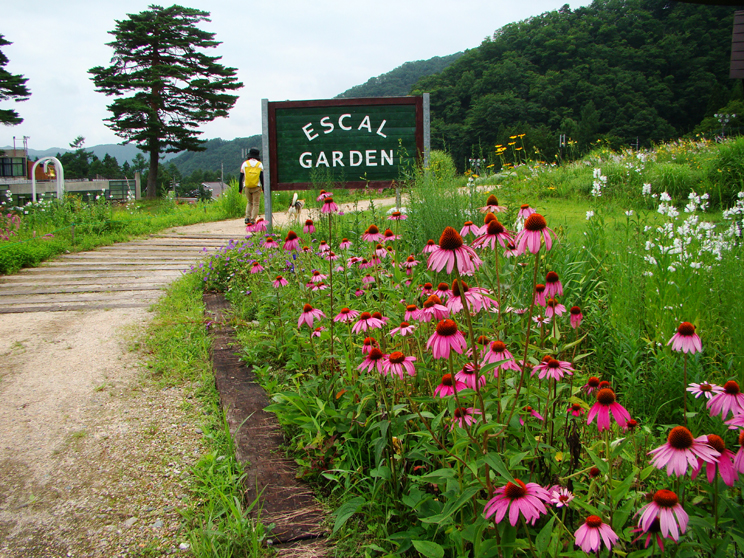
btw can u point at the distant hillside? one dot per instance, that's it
(620, 71)
(218, 153)
(121, 153)
(398, 82)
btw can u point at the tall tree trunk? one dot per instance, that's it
(152, 176)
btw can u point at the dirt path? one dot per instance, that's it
(93, 459)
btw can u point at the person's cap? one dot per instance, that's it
(253, 153)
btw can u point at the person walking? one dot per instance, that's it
(251, 177)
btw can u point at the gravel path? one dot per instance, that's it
(94, 457)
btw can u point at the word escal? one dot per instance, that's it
(330, 127)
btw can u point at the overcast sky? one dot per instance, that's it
(283, 50)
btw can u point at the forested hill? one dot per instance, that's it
(623, 70)
(218, 152)
(399, 81)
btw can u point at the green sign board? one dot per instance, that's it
(356, 142)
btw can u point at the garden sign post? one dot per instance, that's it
(354, 143)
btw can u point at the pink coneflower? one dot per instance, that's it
(554, 308)
(256, 268)
(576, 316)
(535, 229)
(553, 369)
(464, 416)
(323, 246)
(518, 498)
(443, 291)
(491, 233)
(412, 312)
(323, 195)
(729, 400)
(704, 388)
(682, 451)
(367, 279)
(379, 316)
(631, 425)
(315, 287)
(592, 533)
(469, 228)
(426, 289)
(346, 315)
(497, 352)
(433, 309)
(540, 294)
(258, 226)
(452, 250)
(475, 297)
(739, 459)
(317, 331)
(375, 359)
(364, 264)
(492, 205)
(541, 320)
(309, 227)
(448, 386)
(467, 375)
(308, 315)
(686, 340)
(446, 337)
(365, 322)
(399, 364)
(345, 244)
(380, 251)
(560, 496)
(723, 464)
(372, 234)
(605, 404)
(576, 409)
(525, 211)
(330, 256)
(410, 263)
(592, 385)
(404, 329)
(397, 216)
(269, 242)
(279, 282)
(511, 250)
(389, 235)
(429, 247)
(291, 241)
(531, 412)
(553, 286)
(368, 344)
(664, 507)
(329, 206)
(317, 277)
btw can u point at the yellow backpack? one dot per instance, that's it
(252, 176)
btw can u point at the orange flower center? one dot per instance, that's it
(686, 329)
(594, 522)
(666, 498)
(498, 347)
(717, 442)
(432, 301)
(450, 239)
(375, 354)
(551, 277)
(680, 438)
(397, 357)
(515, 491)
(291, 235)
(446, 328)
(492, 200)
(494, 227)
(731, 387)
(447, 380)
(307, 308)
(535, 223)
(606, 396)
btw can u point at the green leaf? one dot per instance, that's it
(495, 462)
(452, 507)
(346, 511)
(429, 549)
(619, 492)
(543, 537)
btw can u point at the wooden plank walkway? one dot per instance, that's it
(127, 275)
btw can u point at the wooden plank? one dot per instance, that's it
(78, 308)
(87, 289)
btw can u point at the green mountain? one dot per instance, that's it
(625, 71)
(399, 81)
(219, 154)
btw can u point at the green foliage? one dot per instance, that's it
(625, 71)
(12, 86)
(174, 86)
(218, 155)
(217, 519)
(398, 82)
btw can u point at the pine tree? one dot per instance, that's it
(11, 87)
(173, 85)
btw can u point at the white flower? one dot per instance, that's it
(646, 190)
(589, 214)
(629, 213)
(665, 197)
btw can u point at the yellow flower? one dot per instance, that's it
(512, 137)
